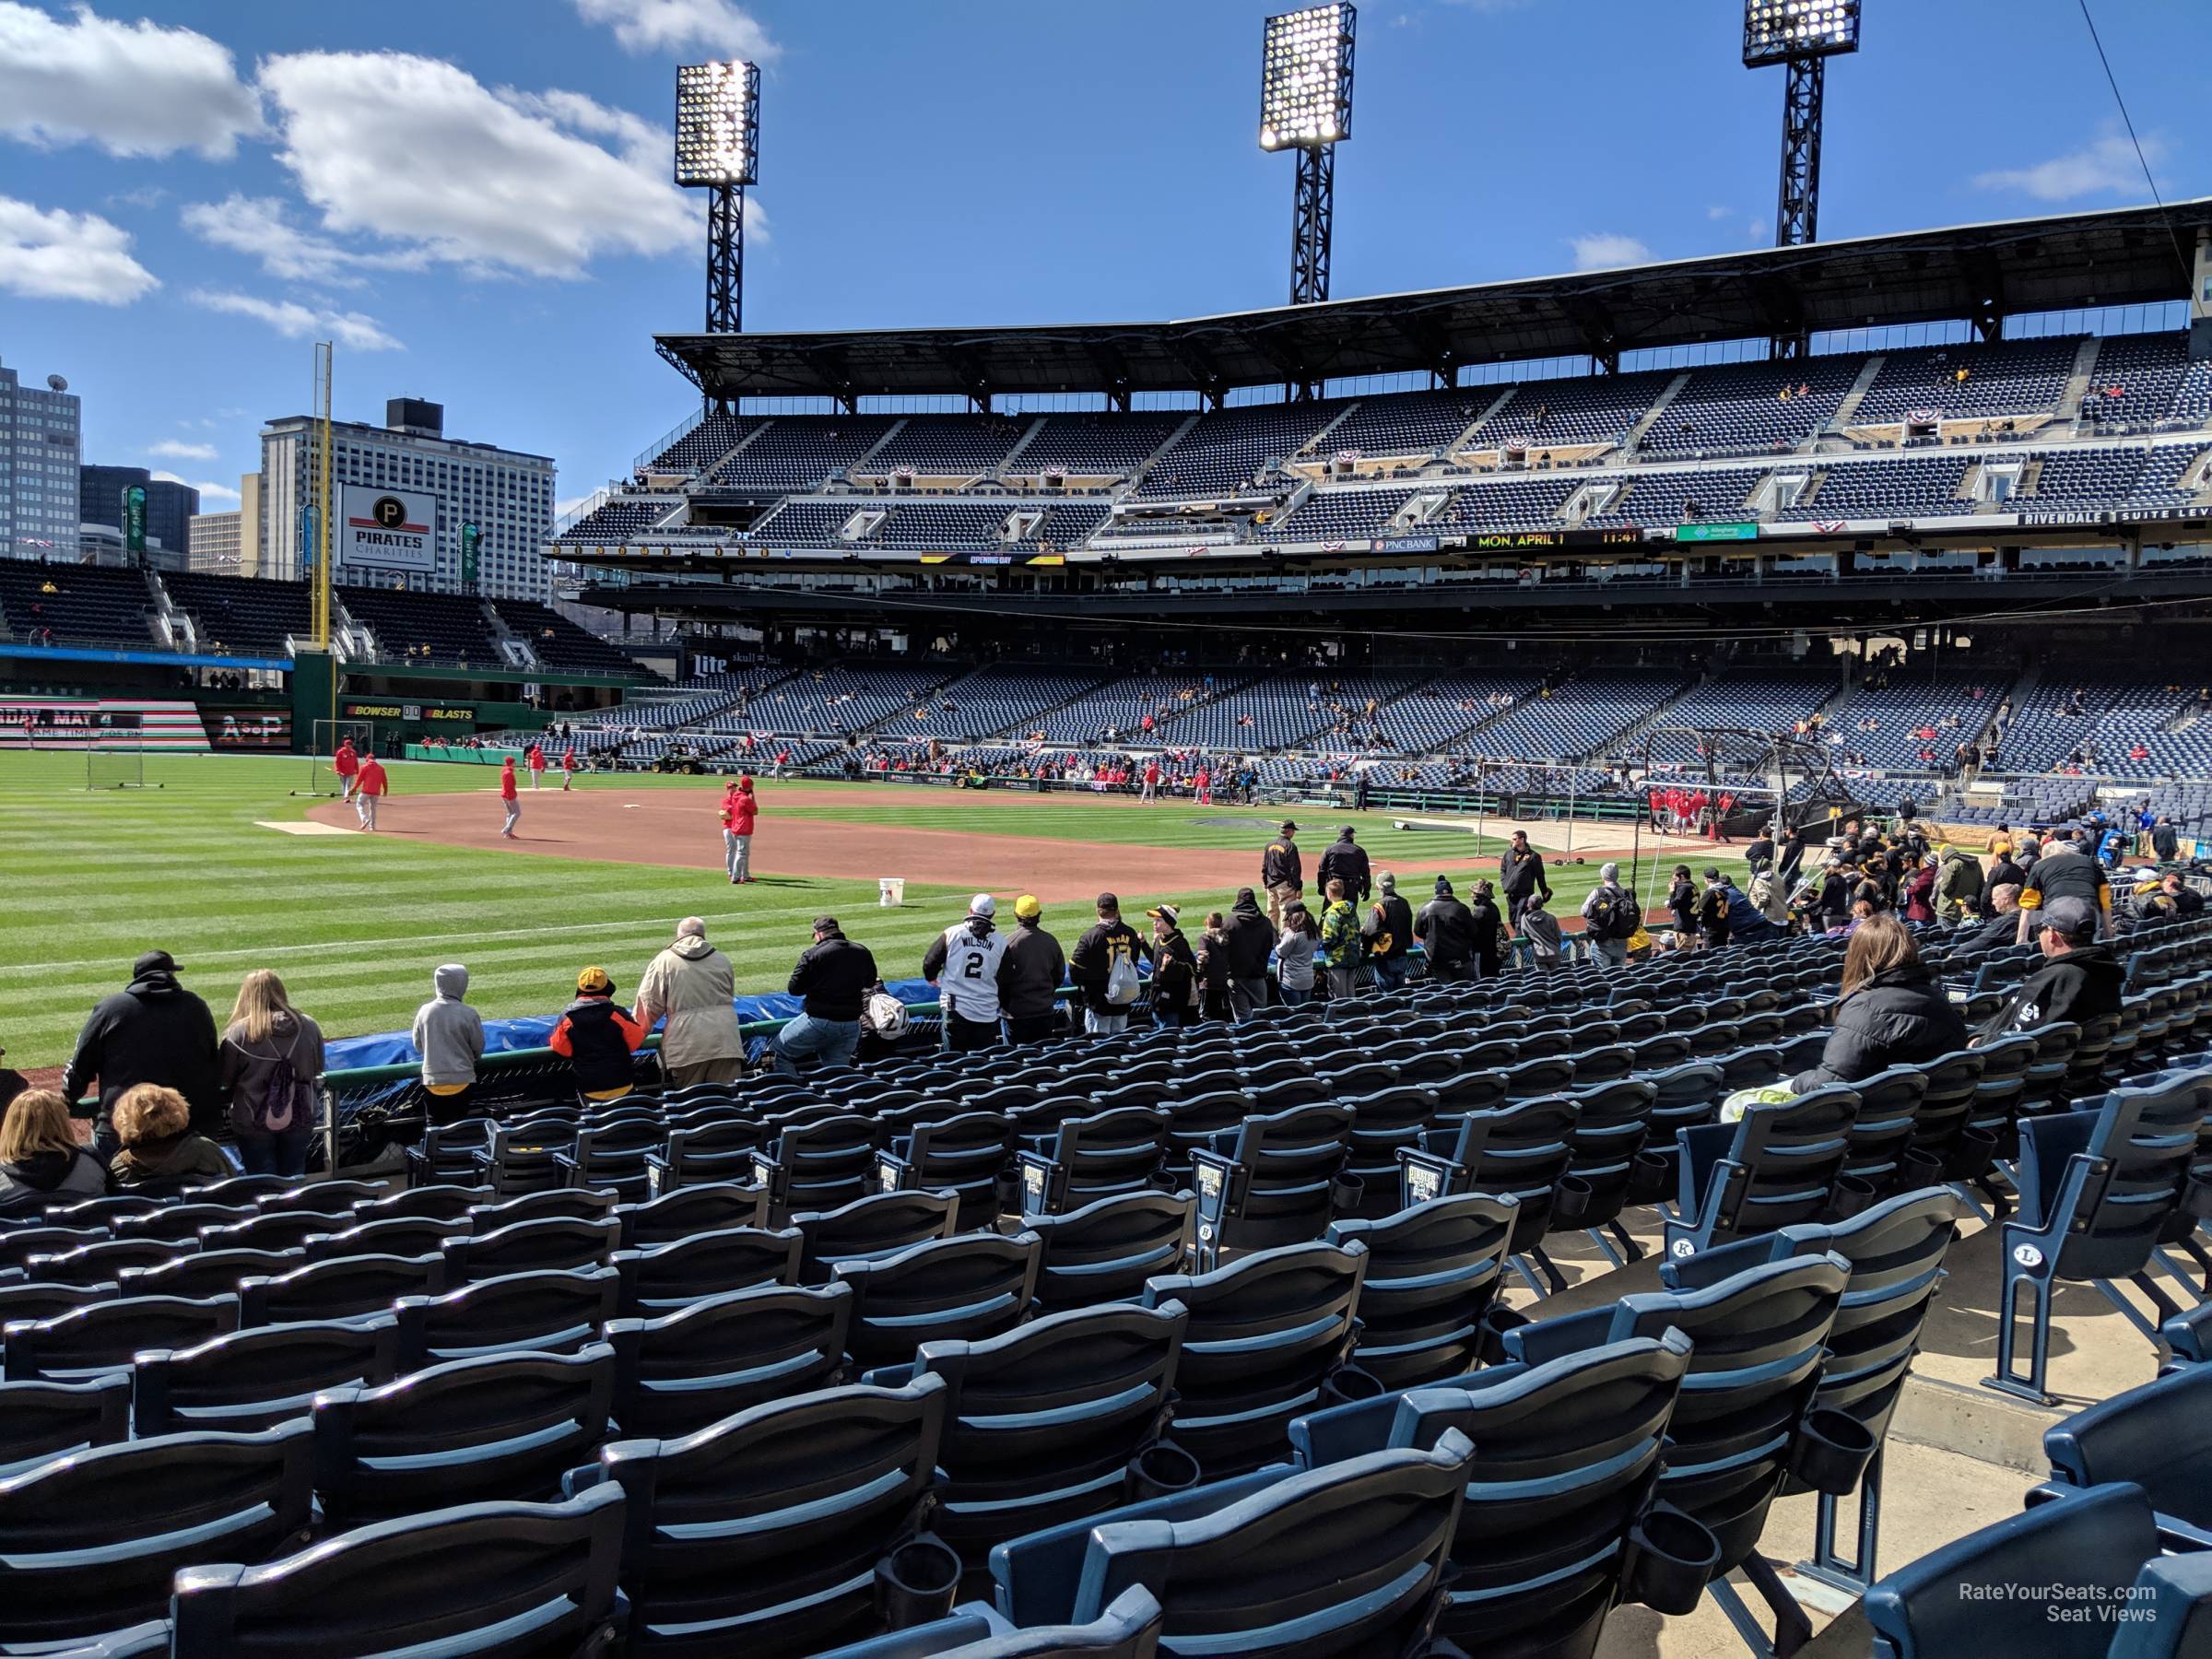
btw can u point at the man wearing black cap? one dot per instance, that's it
(1249, 941)
(1282, 873)
(2079, 979)
(1345, 860)
(833, 978)
(153, 1030)
(1109, 943)
(1446, 930)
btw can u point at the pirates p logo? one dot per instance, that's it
(390, 511)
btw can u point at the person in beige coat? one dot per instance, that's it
(693, 986)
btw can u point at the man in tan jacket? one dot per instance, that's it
(693, 986)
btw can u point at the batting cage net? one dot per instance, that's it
(114, 765)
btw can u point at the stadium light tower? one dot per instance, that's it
(1306, 105)
(1801, 35)
(718, 150)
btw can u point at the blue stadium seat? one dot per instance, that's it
(1106, 1155)
(1519, 1150)
(965, 1287)
(1345, 1558)
(817, 1165)
(1106, 1250)
(869, 1229)
(504, 1426)
(707, 1206)
(1560, 1522)
(88, 1542)
(102, 1336)
(489, 1579)
(542, 1313)
(354, 1287)
(556, 1244)
(2096, 1187)
(2152, 1437)
(968, 1154)
(1277, 1179)
(769, 1532)
(1057, 1419)
(722, 1354)
(41, 1421)
(1778, 1164)
(1432, 1272)
(664, 1277)
(255, 1379)
(1129, 1629)
(1266, 1337)
(718, 1153)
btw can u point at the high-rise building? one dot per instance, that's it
(404, 496)
(216, 543)
(39, 448)
(169, 505)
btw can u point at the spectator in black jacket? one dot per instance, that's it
(1282, 873)
(153, 1030)
(1490, 932)
(2165, 841)
(2003, 926)
(1682, 905)
(1446, 930)
(1521, 874)
(1388, 925)
(2079, 979)
(1213, 969)
(40, 1162)
(2002, 872)
(1893, 1011)
(597, 1036)
(1108, 941)
(2064, 871)
(1714, 917)
(1174, 970)
(833, 978)
(1249, 941)
(1030, 974)
(12, 1082)
(1346, 861)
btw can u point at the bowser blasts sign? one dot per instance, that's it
(388, 530)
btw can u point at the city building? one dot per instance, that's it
(169, 505)
(41, 445)
(215, 545)
(407, 494)
(103, 545)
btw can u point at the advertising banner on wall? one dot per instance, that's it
(388, 530)
(248, 728)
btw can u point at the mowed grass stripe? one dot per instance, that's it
(356, 927)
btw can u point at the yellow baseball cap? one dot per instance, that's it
(595, 979)
(1026, 906)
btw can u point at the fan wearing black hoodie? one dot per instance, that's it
(1446, 930)
(153, 1030)
(40, 1159)
(1250, 941)
(2079, 979)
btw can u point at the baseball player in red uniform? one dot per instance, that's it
(537, 758)
(348, 765)
(368, 787)
(740, 808)
(567, 768)
(507, 797)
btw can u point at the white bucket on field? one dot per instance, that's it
(891, 891)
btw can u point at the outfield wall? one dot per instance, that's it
(66, 723)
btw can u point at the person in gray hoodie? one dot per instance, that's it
(449, 1035)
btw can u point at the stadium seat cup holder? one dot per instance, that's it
(1571, 1201)
(1854, 1194)
(1349, 1384)
(1160, 1470)
(1497, 1320)
(1831, 1453)
(1919, 1169)
(1670, 1558)
(1651, 1178)
(917, 1581)
(1973, 1156)
(1346, 1192)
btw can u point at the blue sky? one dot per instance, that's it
(472, 196)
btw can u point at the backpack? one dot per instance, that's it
(288, 1102)
(1611, 917)
(1380, 941)
(1122, 983)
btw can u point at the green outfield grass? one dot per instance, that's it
(355, 925)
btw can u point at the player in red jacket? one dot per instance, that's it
(740, 808)
(348, 765)
(507, 796)
(567, 768)
(537, 758)
(368, 787)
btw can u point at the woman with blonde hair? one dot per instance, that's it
(160, 1152)
(40, 1159)
(1893, 1011)
(272, 1055)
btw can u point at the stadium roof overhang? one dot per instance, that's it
(1978, 273)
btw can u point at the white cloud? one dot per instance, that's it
(1717, 214)
(671, 27)
(176, 449)
(2107, 166)
(257, 226)
(1604, 249)
(297, 322)
(420, 152)
(133, 89)
(221, 492)
(64, 255)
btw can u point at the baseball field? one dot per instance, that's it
(219, 863)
